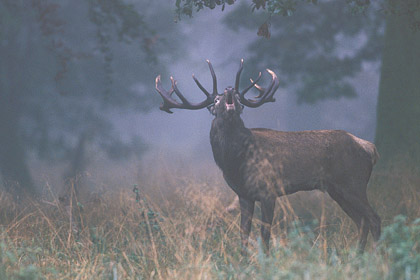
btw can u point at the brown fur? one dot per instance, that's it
(262, 164)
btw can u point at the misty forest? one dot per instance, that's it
(97, 183)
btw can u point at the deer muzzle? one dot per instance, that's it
(230, 104)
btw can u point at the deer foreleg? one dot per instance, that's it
(247, 211)
(267, 214)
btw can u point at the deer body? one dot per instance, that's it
(290, 161)
(263, 164)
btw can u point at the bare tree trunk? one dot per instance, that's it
(77, 165)
(13, 166)
(398, 111)
(69, 197)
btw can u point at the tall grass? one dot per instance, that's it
(174, 226)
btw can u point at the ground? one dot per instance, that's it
(176, 227)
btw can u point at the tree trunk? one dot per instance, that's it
(398, 111)
(13, 167)
(73, 177)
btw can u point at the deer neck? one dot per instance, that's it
(228, 129)
(229, 140)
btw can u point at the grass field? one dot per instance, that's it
(176, 227)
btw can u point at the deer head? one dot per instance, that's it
(230, 102)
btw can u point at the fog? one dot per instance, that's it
(186, 133)
(85, 90)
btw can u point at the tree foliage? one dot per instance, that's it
(315, 55)
(187, 7)
(317, 50)
(69, 67)
(409, 8)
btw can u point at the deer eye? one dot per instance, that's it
(216, 100)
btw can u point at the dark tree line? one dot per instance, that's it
(66, 68)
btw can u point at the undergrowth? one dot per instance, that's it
(147, 232)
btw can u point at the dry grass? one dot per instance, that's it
(177, 228)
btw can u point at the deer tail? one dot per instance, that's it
(369, 147)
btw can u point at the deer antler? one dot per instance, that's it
(169, 102)
(266, 95)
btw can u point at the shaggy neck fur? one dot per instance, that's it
(229, 140)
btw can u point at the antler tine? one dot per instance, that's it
(169, 102)
(213, 75)
(272, 89)
(238, 74)
(259, 88)
(178, 93)
(266, 95)
(262, 90)
(238, 77)
(200, 86)
(252, 84)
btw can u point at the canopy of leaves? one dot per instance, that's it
(72, 66)
(316, 50)
(187, 7)
(317, 46)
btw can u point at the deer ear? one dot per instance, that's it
(211, 109)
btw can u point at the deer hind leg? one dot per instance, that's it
(350, 206)
(372, 216)
(267, 214)
(247, 211)
(375, 226)
(360, 202)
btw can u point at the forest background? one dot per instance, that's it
(79, 119)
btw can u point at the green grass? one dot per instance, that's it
(177, 228)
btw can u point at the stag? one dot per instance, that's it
(261, 164)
